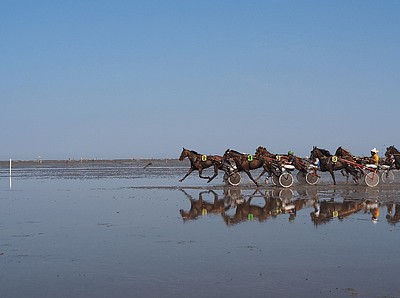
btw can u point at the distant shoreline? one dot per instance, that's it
(77, 162)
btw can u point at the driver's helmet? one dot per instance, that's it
(374, 150)
(290, 152)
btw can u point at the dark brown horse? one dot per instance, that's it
(330, 163)
(298, 162)
(393, 157)
(200, 162)
(346, 155)
(246, 162)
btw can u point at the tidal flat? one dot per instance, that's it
(131, 229)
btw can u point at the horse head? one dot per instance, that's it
(343, 152)
(391, 150)
(262, 151)
(184, 154)
(339, 151)
(318, 153)
(313, 153)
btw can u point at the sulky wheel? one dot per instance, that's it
(387, 177)
(234, 179)
(275, 180)
(312, 178)
(371, 179)
(286, 180)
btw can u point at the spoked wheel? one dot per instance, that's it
(371, 179)
(286, 194)
(312, 178)
(286, 180)
(275, 179)
(234, 179)
(387, 177)
(301, 177)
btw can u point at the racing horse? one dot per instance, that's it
(393, 155)
(346, 155)
(298, 162)
(246, 162)
(330, 163)
(200, 162)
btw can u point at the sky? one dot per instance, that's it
(142, 79)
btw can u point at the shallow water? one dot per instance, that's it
(116, 231)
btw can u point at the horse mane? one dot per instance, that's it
(324, 151)
(394, 149)
(234, 151)
(194, 152)
(344, 150)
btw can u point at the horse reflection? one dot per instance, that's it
(393, 213)
(325, 211)
(372, 207)
(247, 211)
(272, 206)
(201, 207)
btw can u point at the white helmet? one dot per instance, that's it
(374, 150)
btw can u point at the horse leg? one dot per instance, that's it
(262, 173)
(201, 174)
(345, 173)
(215, 173)
(188, 173)
(354, 173)
(333, 176)
(251, 177)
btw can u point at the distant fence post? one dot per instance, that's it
(10, 173)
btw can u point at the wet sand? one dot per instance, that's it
(118, 229)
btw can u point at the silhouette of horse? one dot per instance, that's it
(200, 162)
(201, 207)
(328, 163)
(246, 162)
(393, 156)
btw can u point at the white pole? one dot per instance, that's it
(10, 174)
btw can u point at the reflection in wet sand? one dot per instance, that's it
(236, 206)
(393, 213)
(201, 207)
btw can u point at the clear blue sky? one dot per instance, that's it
(142, 79)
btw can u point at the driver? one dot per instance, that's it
(374, 159)
(291, 157)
